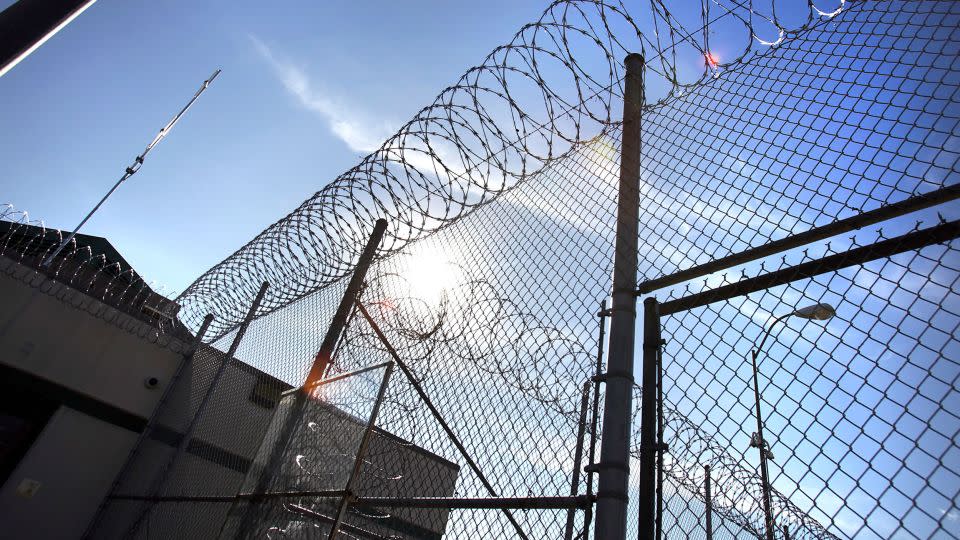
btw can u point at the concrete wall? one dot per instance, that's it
(74, 459)
(50, 340)
(47, 337)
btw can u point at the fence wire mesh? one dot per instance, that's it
(858, 411)
(502, 198)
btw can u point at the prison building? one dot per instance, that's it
(89, 349)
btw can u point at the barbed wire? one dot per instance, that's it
(530, 102)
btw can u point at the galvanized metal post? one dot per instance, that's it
(578, 457)
(709, 497)
(647, 492)
(614, 466)
(151, 423)
(322, 361)
(321, 364)
(348, 495)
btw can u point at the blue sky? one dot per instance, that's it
(307, 89)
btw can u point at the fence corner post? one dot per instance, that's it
(614, 465)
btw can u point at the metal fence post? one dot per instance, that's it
(706, 470)
(349, 495)
(321, 364)
(647, 496)
(661, 447)
(578, 457)
(152, 422)
(594, 417)
(614, 466)
(184, 444)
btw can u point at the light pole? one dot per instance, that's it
(820, 312)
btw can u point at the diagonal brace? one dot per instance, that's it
(436, 413)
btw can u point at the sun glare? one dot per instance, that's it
(430, 275)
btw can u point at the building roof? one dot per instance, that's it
(92, 265)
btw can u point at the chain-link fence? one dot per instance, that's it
(818, 393)
(502, 203)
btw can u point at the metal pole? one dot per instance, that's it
(588, 515)
(648, 421)
(28, 24)
(852, 223)
(321, 364)
(660, 446)
(323, 359)
(437, 416)
(161, 481)
(760, 442)
(578, 457)
(614, 466)
(133, 168)
(786, 532)
(762, 448)
(157, 410)
(361, 451)
(709, 497)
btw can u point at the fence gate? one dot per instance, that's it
(815, 399)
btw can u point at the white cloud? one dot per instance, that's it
(349, 126)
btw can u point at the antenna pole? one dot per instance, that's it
(134, 167)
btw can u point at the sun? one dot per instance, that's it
(430, 276)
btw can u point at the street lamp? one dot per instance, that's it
(819, 312)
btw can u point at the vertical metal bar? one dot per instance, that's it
(762, 448)
(786, 532)
(648, 420)
(578, 457)
(437, 416)
(28, 24)
(320, 365)
(241, 331)
(321, 362)
(660, 446)
(614, 466)
(161, 481)
(348, 496)
(588, 515)
(709, 497)
(154, 417)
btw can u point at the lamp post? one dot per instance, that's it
(820, 312)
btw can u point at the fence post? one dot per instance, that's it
(349, 495)
(706, 470)
(614, 466)
(184, 444)
(661, 447)
(647, 491)
(578, 457)
(158, 409)
(321, 363)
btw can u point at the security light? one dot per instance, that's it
(820, 312)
